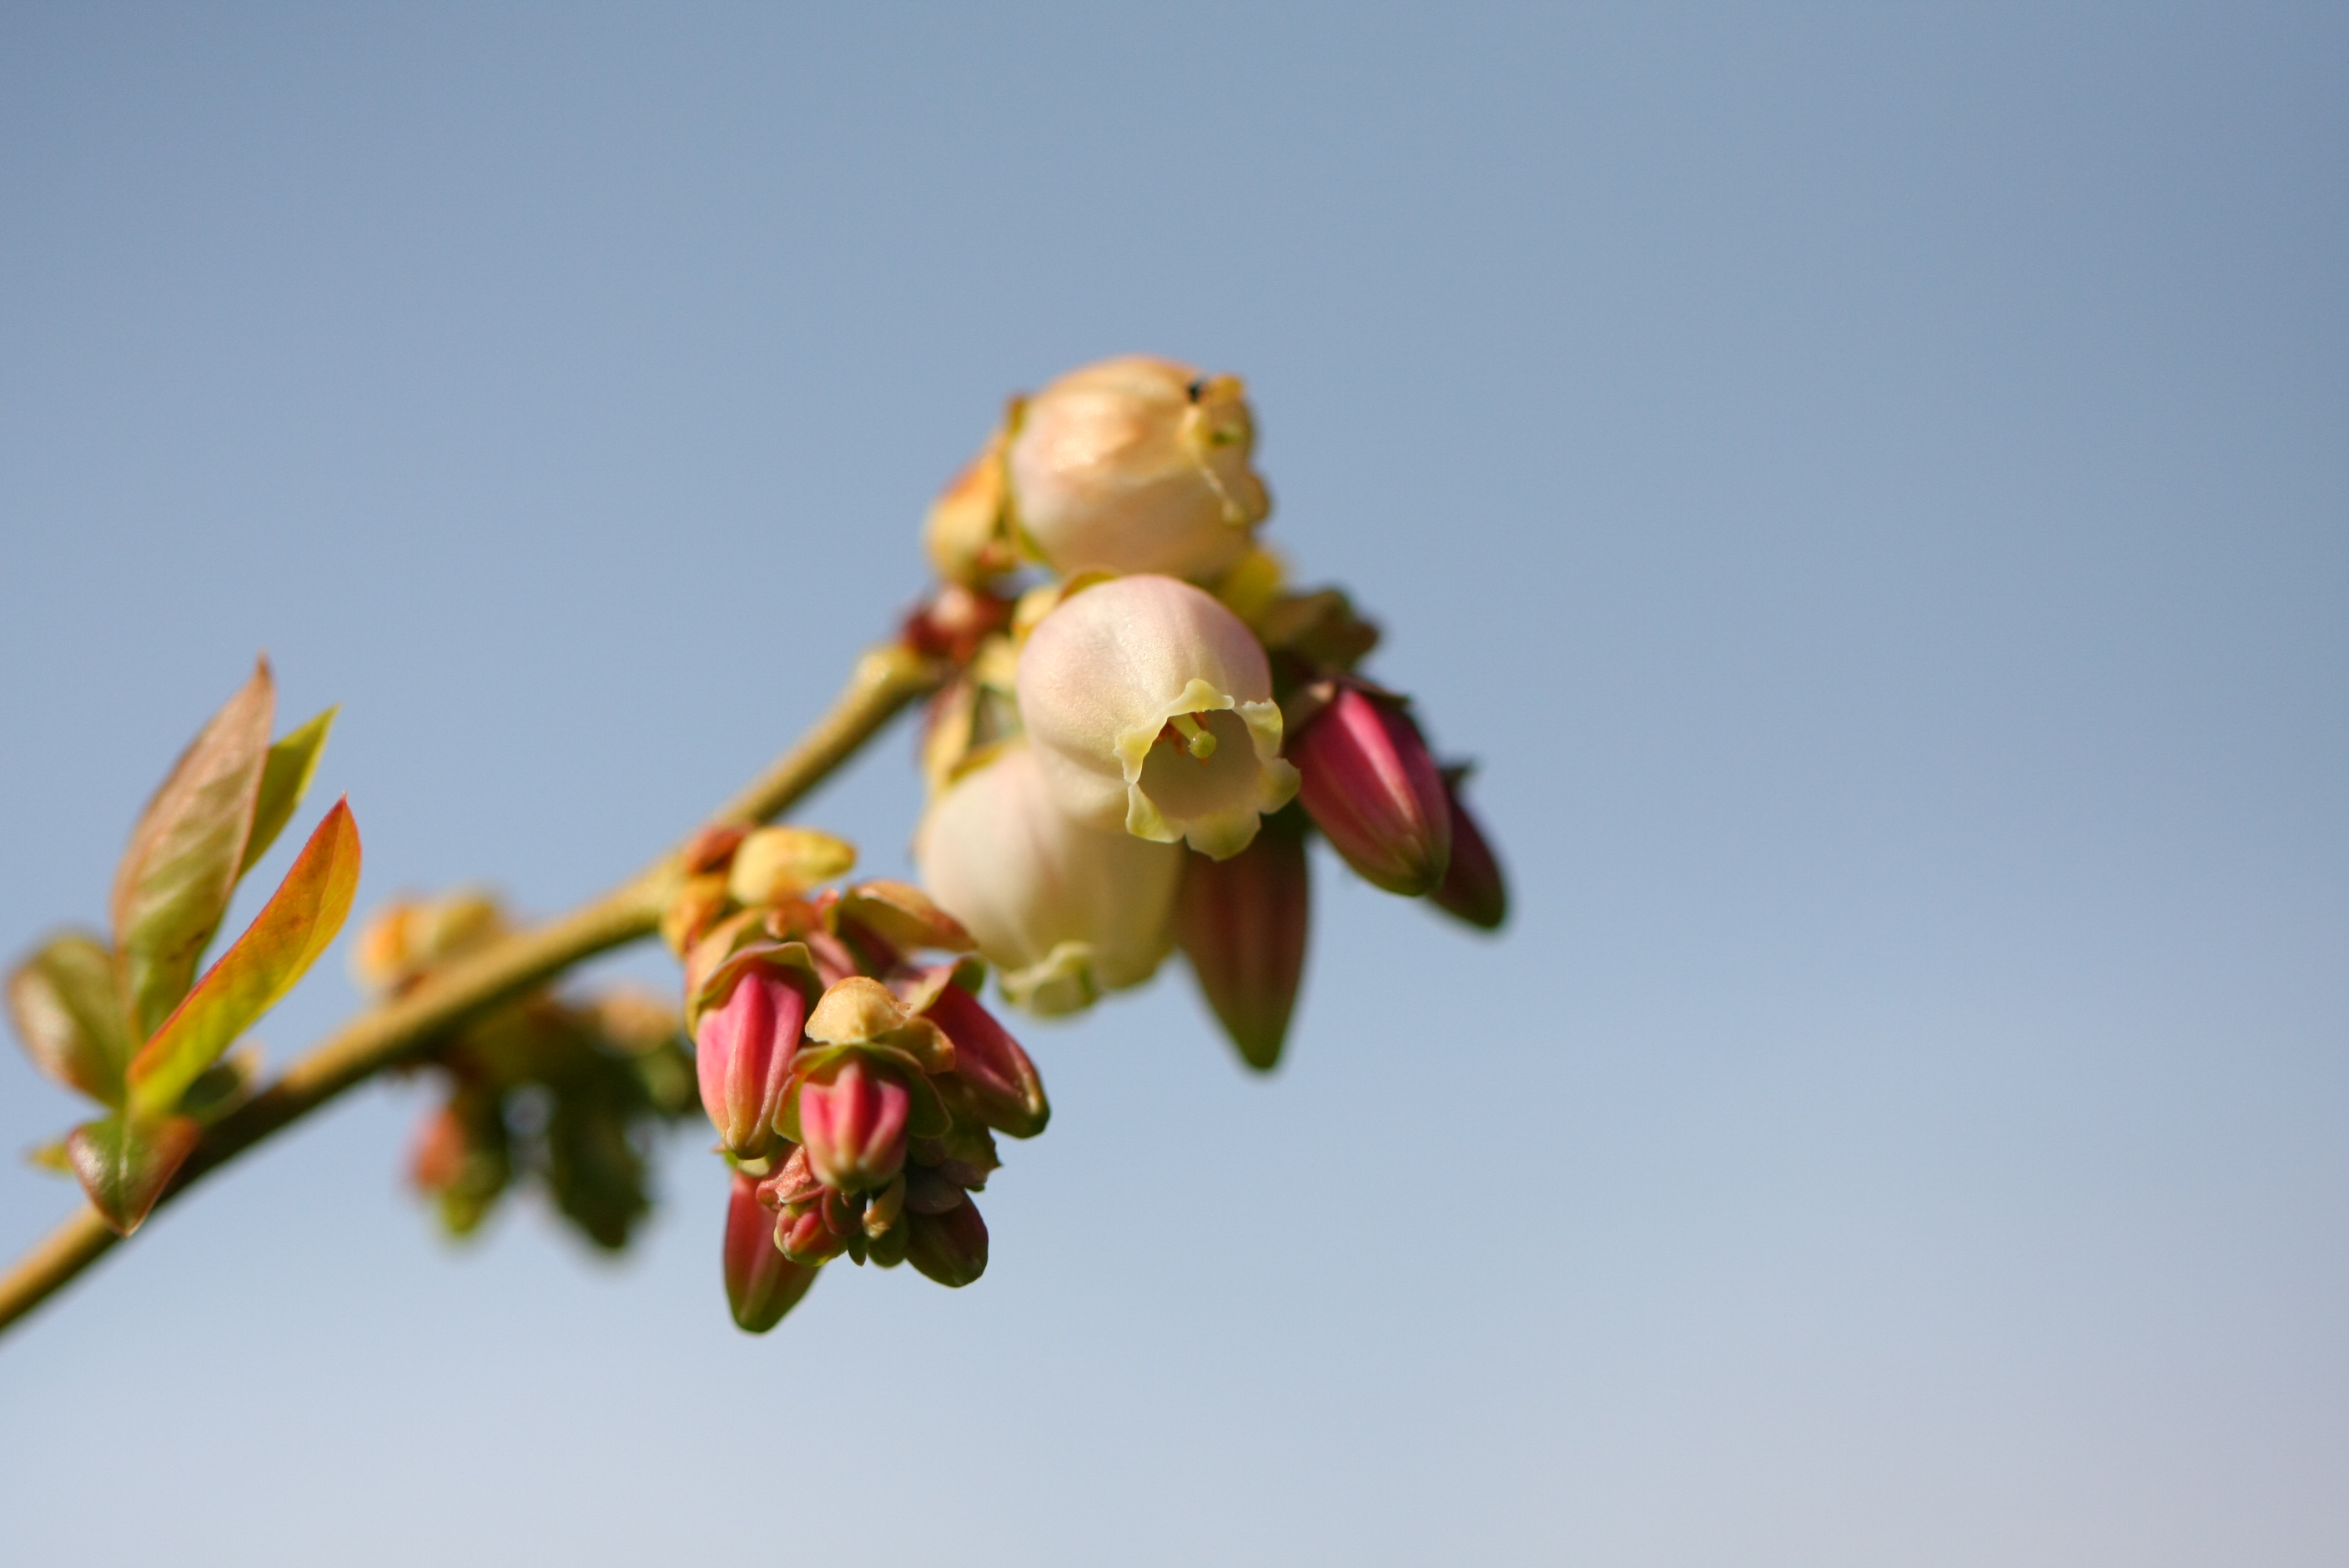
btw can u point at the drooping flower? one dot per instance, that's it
(1065, 912)
(1134, 464)
(1150, 706)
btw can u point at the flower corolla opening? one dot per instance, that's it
(1150, 708)
(1136, 464)
(1064, 910)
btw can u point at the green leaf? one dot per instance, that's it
(125, 1164)
(284, 777)
(64, 1004)
(224, 1086)
(52, 1156)
(174, 882)
(300, 919)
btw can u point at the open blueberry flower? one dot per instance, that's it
(1066, 912)
(1150, 706)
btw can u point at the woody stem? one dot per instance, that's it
(886, 680)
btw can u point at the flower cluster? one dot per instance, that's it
(854, 1080)
(1148, 722)
(1137, 725)
(1140, 728)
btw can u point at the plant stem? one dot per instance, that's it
(886, 680)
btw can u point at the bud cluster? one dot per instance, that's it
(853, 1078)
(1147, 724)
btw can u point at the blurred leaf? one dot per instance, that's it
(125, 1164)
(464, 1160)
(594, 1169)
(224, 1086)
(300, 919)
(66, 1009)
(284, 777)
(51, 1156)
(175, 878)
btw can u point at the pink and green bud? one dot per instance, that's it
(948, 1247)
(1242, 923)
(804, 1234)
(853, 1117)
(762, 1284)
(742, 1054)
(1371, 787)
(993, 1080)
(1474, 889)
(793, 1183)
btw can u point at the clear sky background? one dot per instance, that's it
(1870, 483)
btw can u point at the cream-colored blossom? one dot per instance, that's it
(1066, 912)
(1150, 708)
(1137, 464)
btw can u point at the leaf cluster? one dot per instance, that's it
(564, 1097)
(124, 1018)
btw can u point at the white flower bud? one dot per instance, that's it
(1066, 912)
(1137, 465)
(1150, 705)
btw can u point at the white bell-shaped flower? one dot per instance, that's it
(1137, 464)
(1150, 706)
(1064, 910)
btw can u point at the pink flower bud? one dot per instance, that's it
(853, 1121)
(801, 1236)
(992, 1078)
(951, 1247)
(1134, 464)
(762, 1284)
(1242, 923)
(1474, 889)
(1066, 912)
(1370, 786)
(742, 1054)
(1150, 708)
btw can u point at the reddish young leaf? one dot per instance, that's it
(284, 779)
(124, 1165)
(300, 919)
(63, 1002)
(175, 878)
